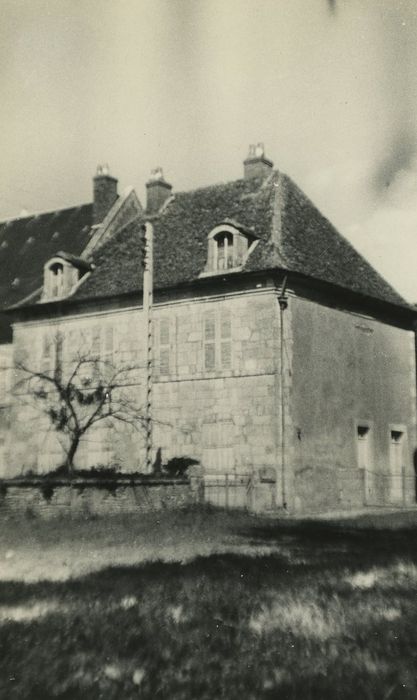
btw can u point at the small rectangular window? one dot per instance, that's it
(363, 446)
(396, 436)
(396, 451)
(396, 465)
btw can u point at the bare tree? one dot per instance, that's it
(77, 397)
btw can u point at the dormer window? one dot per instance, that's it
(223, 251)
(57, 279)
(228, 248)
(62, 274)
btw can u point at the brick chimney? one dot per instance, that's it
(256, 164)
(104, 193)
(157, 191)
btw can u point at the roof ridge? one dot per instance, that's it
(262, 181)
(43, 213)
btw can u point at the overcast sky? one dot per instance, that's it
(330, 87)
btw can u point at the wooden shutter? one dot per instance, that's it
(96, 342)
(164, 347)
(209, 341)
(225, 339)
(108, 343)
(46, 359)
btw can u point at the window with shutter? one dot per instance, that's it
(217, 340)
(94, 366)
(108, 343)
(164, 347)
(95, 342)
(72, 346)
(210, 341)
(59, 348)
(225, 339)
(46, 358)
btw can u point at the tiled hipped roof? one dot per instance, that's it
(293, 235)
(27, 243)
(180, 237)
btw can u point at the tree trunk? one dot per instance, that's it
(71, 454)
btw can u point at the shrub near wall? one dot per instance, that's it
(79, 498)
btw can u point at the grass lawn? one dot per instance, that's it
(199, 605)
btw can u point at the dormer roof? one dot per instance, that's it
(74, 260)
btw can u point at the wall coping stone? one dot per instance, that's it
(26, 482)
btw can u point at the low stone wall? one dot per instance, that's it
(82, 498)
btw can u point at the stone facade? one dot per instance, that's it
(84, 499)
(214, 392)
(276, 410)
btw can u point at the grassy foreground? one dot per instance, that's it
(207, 605)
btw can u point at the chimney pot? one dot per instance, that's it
(104, 193)
(257, 164)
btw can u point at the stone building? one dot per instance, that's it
(282, 362)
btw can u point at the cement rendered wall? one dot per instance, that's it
(227, 418)
(82, 499)
(348, 370)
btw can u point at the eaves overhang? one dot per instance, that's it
(318, 290)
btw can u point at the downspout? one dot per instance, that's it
(283, 305)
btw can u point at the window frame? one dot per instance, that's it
(167, 322)
(397, 448)
(238, 261)
(368, 425)
(219, 343)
